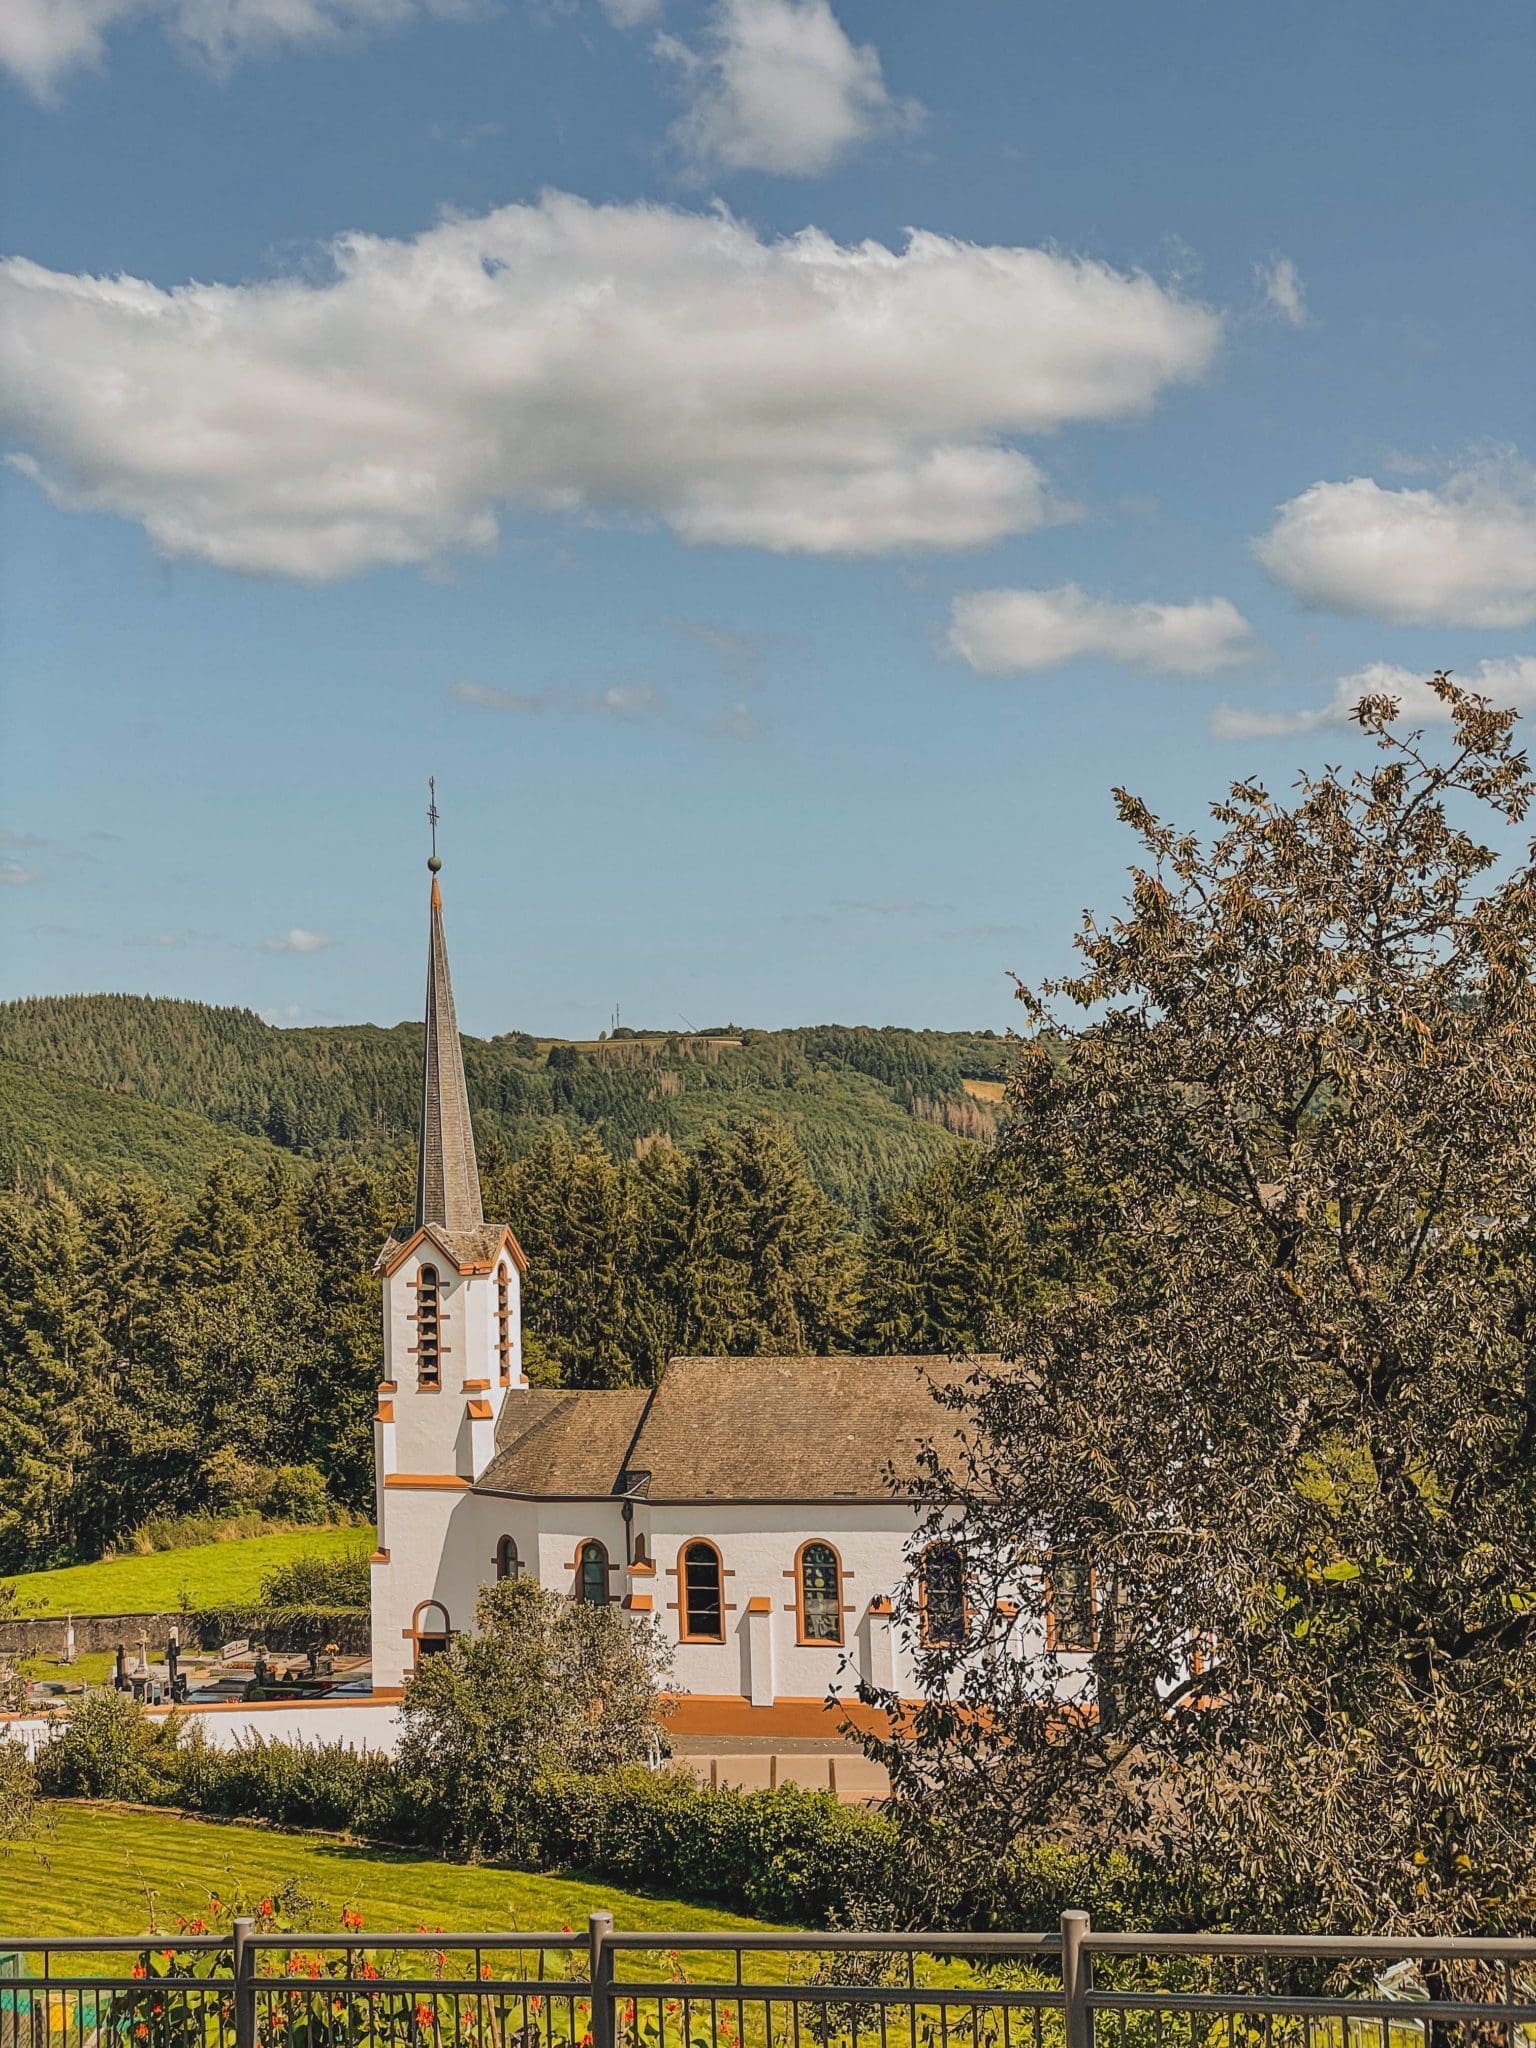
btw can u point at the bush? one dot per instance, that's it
(785, 1855)
(318, 1582)
(110, 1749)
(289, 1629)
(18, 1792)
(292, 1784)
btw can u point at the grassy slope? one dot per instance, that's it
(48, 1121)
(215, 1574)
(94, 1870)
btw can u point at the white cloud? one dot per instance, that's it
(1009, 632)
(779, 87)
(620, 361)
(1463, 555)
(13, 875)
(1504, 683)
(42, 41)
(298, 940)
(630, 702)
(1281, 284)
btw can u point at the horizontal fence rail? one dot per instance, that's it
(1070, 1987)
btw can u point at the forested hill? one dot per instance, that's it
(868, 1108)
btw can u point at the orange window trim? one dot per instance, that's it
(802, 1640)
(479, 1411)
(441, 1482)
(684, 1633)
(759, 1604)
(638, 1603)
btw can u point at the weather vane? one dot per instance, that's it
(434, 863)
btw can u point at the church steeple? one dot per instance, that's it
(448, 1179)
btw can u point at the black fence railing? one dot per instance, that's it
(1070, 1987)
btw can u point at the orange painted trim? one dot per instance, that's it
(760, 1604)
(428, 1482)
(476, 1386)
(479, 1411)
(385, 1412)
(684, 1633)
(643, 1568)
(637, 1603)
(733, 1714)
(383, 1696)
(881, 1605)
(389, 1386)
(379, 1557)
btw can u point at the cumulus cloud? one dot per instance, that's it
(779, 87)
(1012, 632)
(1462, 555)
(1281, 284)
(42, 41)
(1504, 683)
(297, 940)
(601, 361)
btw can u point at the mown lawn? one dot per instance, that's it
(109, 1870)
(212, 1575)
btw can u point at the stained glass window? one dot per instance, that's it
(594, 1574)
(821, 1604)
(943, 1596)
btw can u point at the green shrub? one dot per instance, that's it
(283, 1629)
(292, 1784)
(311, 1581)
(785, 1855)
(109, 1749)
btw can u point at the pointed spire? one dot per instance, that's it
(448, 1180)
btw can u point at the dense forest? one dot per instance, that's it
(189, 1320)
(868, 1109)
(162, 1359)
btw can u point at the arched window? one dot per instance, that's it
(819, 1590)
(429, 1315)
(592, 1574)
(504, 1322)
(942, 1591)
(1070, 1621)
(430, 1629)
(703, 1604)
(508, 1564)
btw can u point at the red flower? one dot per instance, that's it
(265, 1909)
(139, 1970)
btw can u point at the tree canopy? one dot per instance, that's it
(1288, 1422)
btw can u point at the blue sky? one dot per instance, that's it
(775, 611)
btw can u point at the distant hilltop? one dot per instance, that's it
(96, 1082)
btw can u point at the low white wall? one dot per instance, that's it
(360, 1724)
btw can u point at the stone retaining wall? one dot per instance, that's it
(44, 1637)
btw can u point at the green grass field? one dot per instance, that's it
(102, 1870)
(212, 1575)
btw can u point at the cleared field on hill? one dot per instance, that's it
(212, 1575)
(105, 1870)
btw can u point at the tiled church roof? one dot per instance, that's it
(786, 1429)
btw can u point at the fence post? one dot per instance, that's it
(600, 1970)
(243, 1964)
(1076, 1979)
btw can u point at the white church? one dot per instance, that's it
(744, 1503)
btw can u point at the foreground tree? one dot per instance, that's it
(1293, 1437)
(545, 1685)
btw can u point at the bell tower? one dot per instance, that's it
(453, 1348)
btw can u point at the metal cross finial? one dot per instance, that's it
(434, 863)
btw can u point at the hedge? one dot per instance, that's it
(285, 1629)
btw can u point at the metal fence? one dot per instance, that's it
(1072, 1987)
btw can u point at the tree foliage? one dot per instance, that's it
(545, 1685)
(1291, 1427)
